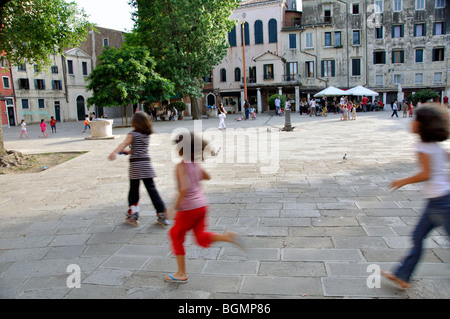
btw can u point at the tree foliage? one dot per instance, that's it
(126, 76)
(34, 30)
(422, 96)
(187, 38)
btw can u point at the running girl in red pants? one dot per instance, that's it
(191, 205)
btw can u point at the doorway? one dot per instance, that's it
(57, 111)
(81, 109)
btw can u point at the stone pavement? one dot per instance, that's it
(313, 222)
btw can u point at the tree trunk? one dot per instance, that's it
(194, 109)
(2, 147)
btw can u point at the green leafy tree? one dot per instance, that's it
(422, 96)
(186, 37)
(272, 98)
(33, 30)
(126, 76)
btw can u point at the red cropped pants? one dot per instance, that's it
(186, 220)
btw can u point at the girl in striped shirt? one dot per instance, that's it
(140, 169)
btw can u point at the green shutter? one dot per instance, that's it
(322, 68)
(333, 68)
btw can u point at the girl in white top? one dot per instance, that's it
(23, 129)
(431, 124)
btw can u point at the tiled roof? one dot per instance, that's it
(247, 2)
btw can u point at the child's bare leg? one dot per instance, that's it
(229, 237)
(181, 273)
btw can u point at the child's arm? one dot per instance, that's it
(182, 184)
(205, 175)
(424, 175)
(128, 140)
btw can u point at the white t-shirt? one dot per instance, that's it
(439, 183)
(23, 126)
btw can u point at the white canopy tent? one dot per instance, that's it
(361, 91)
(330, 91)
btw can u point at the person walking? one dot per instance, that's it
(222, 116)
(43, 126)
(23, 129)
(140, 169)
(394, 109)
(278, 106)
(191, 205)
(53, 124)
(431, 124)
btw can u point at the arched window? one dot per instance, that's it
(273, 32)
(223, 75)
(259, 39)
(232, 37)
(237, 74)
(246, 33)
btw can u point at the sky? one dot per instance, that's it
(111, 14)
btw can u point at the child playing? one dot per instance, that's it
(53, 124)
(353, 111)
(431, 125)
(253, 113)
(410, 108)
(23, 129)
(43, 128)
(86, 123)
(191, 205)
(140, 169)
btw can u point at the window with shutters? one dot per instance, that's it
(273, 32)
(39, 84)
(328, 68)
(24, 84)
(356, 67)
(419, 55)
(232, 37)
(379, 33)
(223, 75)
(356, 37)
(379, 57)
(292, 41)
(309, 41)
(420, 4)
(309, 67)
(379, 79)
(397, 31)
(398, 5)
(245, 34)
(398, 56)
(56, 85)
(420, 30)
(439, 4)
(439, 28)
(438, 54)
(41, 103)
(259, 38)
(418, 78)
(70, 67)
(237, 74)
(328, 39)
(268, 71)
(397, 78)
(437, 77)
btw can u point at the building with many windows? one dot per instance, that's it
(8, 113)
(297, 48)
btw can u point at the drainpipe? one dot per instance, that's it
(315, 60)
(346, 21)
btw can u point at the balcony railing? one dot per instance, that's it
(291, 77)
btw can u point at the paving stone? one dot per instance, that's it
(293, 286)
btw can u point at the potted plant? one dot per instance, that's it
(180, 106)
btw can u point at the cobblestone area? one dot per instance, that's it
(313, 222)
